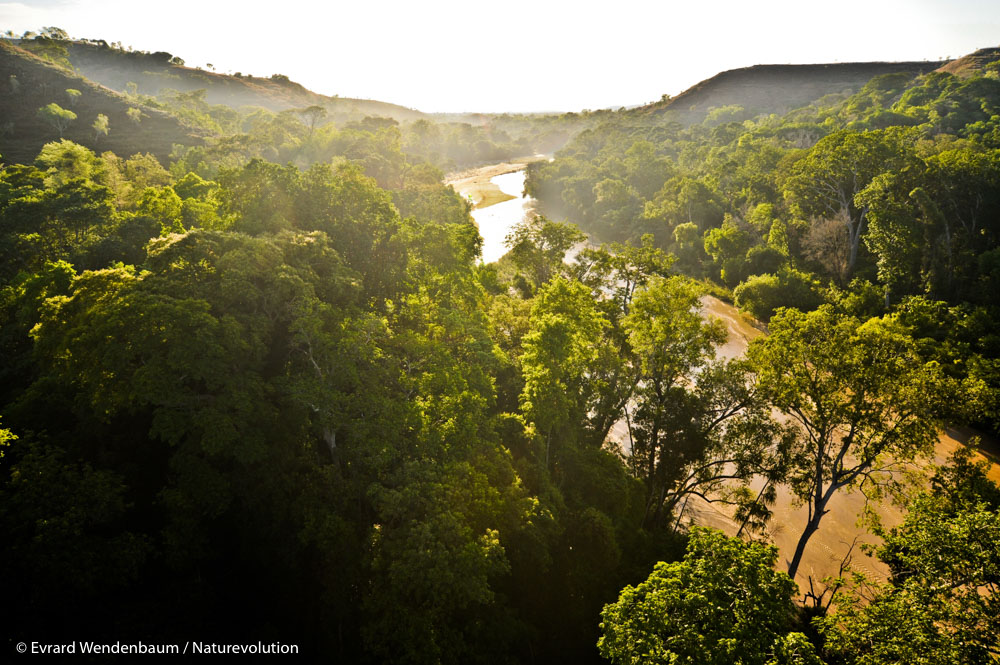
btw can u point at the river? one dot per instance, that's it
(497, 194)
(499, 188)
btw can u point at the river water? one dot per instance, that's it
(496, 221)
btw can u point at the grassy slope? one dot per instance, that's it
(41, 83)
(972, 64)
(115, 69)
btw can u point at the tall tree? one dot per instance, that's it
(101, 126)
(942, 604)
(312, 116)
(696, 422)
(565, 323)
(862, 399)
(825, 182)
(539, 246)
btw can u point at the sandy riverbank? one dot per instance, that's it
(839, 534)
(474, 184)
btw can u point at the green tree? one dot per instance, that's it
(64, 161)
(929, 224)
(615, 274)
(163, 205)
(825, 182)
(312, 116)
(896, 237)
(683, 199)
(538, 246)
(860, 396)
(359, 219)
(723, 603)
(762, 295)
(943, 601)
(56, 116)
(728, 246)
(696, 422)
(557, 354)
(647, 171)
(129, 178)
(101, 126)
(616, 205)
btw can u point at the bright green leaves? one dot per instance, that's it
(762, 295)
(361, 221)
(840, 373)
(728, 246)
(723, 603)
(538, 246)
(558, 351)
(358, 217)
(942, 604)
(199, 361)
(929, 223)
(695, 422)
(826, 181)
(64, 161)
(56, 116)
(260, 196)
(862, 398)
(50, 219)
(278, 405)
(668, 334)
(163, 205)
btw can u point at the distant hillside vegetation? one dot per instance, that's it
(974, 64)
(765, 89)
(28, 83)
(154, 72)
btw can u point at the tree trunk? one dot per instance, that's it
(330, 437)
(854, 233)
(819, 509)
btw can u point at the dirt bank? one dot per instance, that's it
(839, 528)
(474, 184)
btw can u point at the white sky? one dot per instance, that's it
(517, 55)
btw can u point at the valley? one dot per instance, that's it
(390, 386)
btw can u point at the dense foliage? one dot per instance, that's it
(866, 201)
(265, 391)
(862, 228)
(723, 603)
(273, 404)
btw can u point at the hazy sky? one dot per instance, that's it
(517, 55)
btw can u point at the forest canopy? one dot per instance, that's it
(263, 388)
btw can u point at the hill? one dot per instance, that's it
(154, 72)
(29, 83)
(764, 89)
(973, 64)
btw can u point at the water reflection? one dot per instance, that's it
(496, 221)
